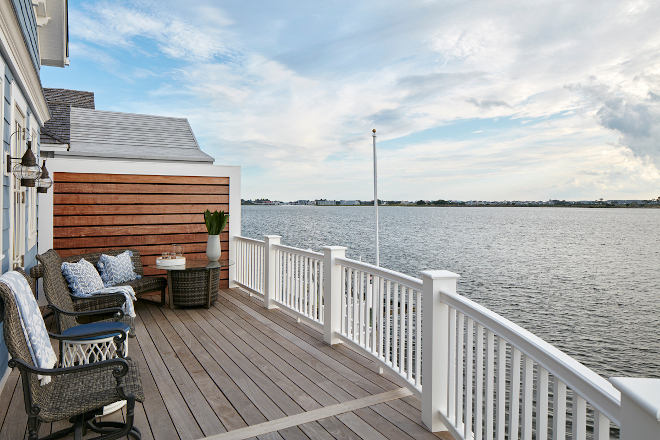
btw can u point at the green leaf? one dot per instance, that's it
(215, 222)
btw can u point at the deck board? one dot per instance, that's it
(239, 367)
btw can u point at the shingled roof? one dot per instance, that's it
(103, 134)
(60, 101)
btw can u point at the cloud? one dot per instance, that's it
(634, 116)
(115, 24)
(291, 91)
(488, 103)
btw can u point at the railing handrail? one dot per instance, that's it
(582, 380)
(249, 240)
(397, 277)
(297, 251)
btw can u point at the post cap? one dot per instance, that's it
(272, 236)
(644, 392)
(439, 274)
(334, 248)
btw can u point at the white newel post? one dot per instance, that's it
(640, 408)
(332, 292)
(270, 269)
(435, 346)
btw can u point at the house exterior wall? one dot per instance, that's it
(28, 23)
(13, 98)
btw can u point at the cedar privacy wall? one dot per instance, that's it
(95, 212)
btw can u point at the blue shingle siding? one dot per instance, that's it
(28, 23)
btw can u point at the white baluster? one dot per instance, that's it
(402, 330)
(418, 338)
(542, 403)
(500, 427)
(601, 426)
(409, 333)
(559, 410)
(388, 315)
(579, 417)
(356, 305)
(490, 382)
(528, 396)
(469, 368)
(451, 361)
(514, 399)
(344, 303)
(479, 389)
(395, 325)
(459, 341)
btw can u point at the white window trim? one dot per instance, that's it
(16, 107)
(32, 203)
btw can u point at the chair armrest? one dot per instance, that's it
(116, 311)
(123, 335)
(101, 296)
(120, 371)
(37, 271)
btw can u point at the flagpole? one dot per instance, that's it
(376, 197)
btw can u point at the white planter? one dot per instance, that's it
(213, 250)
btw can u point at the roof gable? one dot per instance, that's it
(133, 136)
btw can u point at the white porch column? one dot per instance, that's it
(332, 292)
(435, 346)
(640, 407)
(270, 269)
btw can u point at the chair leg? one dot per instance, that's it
(162, 296)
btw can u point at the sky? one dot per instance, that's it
(471, 100)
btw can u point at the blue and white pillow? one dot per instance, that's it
(82, 277)
(115, 270)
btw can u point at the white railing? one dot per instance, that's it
(502, 380)
(299, 282)
(479, 375)
(250, 273)
(379, 314)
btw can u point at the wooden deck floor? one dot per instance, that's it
(247, 372)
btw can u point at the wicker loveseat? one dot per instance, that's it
(49, 268)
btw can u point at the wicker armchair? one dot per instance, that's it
(58, 295)
(76, 393)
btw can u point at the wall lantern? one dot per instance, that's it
(44, 181)
(28, 170)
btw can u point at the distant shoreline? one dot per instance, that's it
(475, 206)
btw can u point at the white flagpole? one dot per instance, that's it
(376, 198)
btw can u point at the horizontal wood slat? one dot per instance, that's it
(99, 231)
(134, 178)
(134, 240)
(97, 212)
(130, 188)
(100, 220)
(135, 199)
(144, 250)
(137, 209)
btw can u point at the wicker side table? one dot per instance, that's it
(194, 284)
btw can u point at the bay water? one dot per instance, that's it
(585, 280)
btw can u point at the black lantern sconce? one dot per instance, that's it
(44, 181)
(28, 171)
